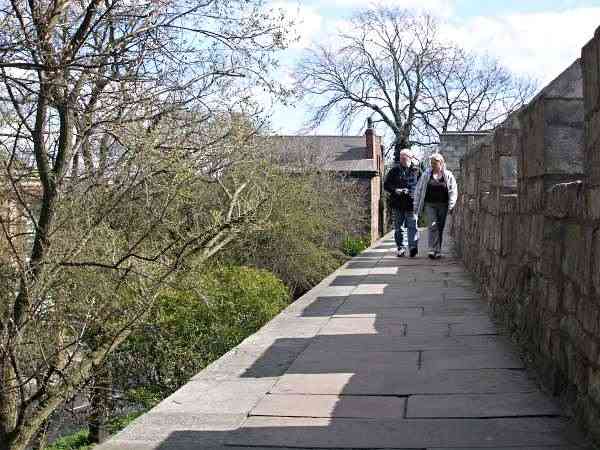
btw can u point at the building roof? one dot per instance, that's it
(331, 153)
(467, 133)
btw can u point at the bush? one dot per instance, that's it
(352, 246)
(193, 325)
(302, 240)
(81, 441)
(75, 441)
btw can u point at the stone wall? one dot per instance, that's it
(454, 144)
(528, 225)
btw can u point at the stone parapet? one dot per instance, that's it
(591, 81)
(531, 233)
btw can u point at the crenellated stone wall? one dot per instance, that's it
(528, 225)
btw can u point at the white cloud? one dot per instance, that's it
(443, 8)
(307, 21)
(540, 45)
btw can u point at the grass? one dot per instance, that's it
(80, 440)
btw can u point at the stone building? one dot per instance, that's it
(359, 158)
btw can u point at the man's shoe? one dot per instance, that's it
(437, 255)
(431, 255)
(414, 252)
(401, 253)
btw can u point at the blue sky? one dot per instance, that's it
(534, 38)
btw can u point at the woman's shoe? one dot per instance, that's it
(437, 255)
(431, 255)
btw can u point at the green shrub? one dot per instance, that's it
(80, 440)
(301, 242)
(352, 246)
(75, 441)
(193, 325)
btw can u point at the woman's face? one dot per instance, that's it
(436, 165)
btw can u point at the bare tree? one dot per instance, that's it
(118, 162)
(467, 92)
(393, 65)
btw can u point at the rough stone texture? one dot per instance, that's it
(453, 145)
(542, 282)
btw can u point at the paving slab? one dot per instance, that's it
(365, 325)
(481, 405)
(194, 430)
(353, 362)
(367, 271)
(207, 396)
(319, 307)
(381, 343)
(376, 302)
(298, 405)
(457, 359)
(396, 313)
(380, 380)
(409, 433)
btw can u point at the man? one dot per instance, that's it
(400, 182)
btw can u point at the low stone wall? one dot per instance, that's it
(533, 237)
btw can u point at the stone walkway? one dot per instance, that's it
(386, 352)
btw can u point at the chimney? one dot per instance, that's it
(370, 138)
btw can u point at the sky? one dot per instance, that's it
(533, 38)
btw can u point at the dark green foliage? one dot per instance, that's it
(80, 440)
(302, 240)
(75, 441)
(352, 246)
(192, 325)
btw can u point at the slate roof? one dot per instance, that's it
(331, 153)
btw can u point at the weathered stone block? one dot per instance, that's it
(570, 298)
(587, 314)
(553, 137)
(594, 384)
(507, 141)
(531, 195)
(508, 235)
(596, 262)
(592, 148)
(576, 257)
(553, 296)
(592, 203)
(536, 236)
(590, 62)
(566, 200)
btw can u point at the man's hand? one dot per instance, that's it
(401, 191)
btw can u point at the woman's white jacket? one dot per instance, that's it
(419, 201)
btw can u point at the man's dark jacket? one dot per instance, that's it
(400, 177)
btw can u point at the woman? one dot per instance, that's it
(436, 193)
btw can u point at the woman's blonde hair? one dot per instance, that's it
(437, 157)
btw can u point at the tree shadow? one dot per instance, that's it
(382, 371)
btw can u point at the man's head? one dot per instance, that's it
(405, 157)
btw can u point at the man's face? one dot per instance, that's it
(404, 160)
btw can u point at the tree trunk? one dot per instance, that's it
(400, 143)
(8, 404)
(100, 404)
